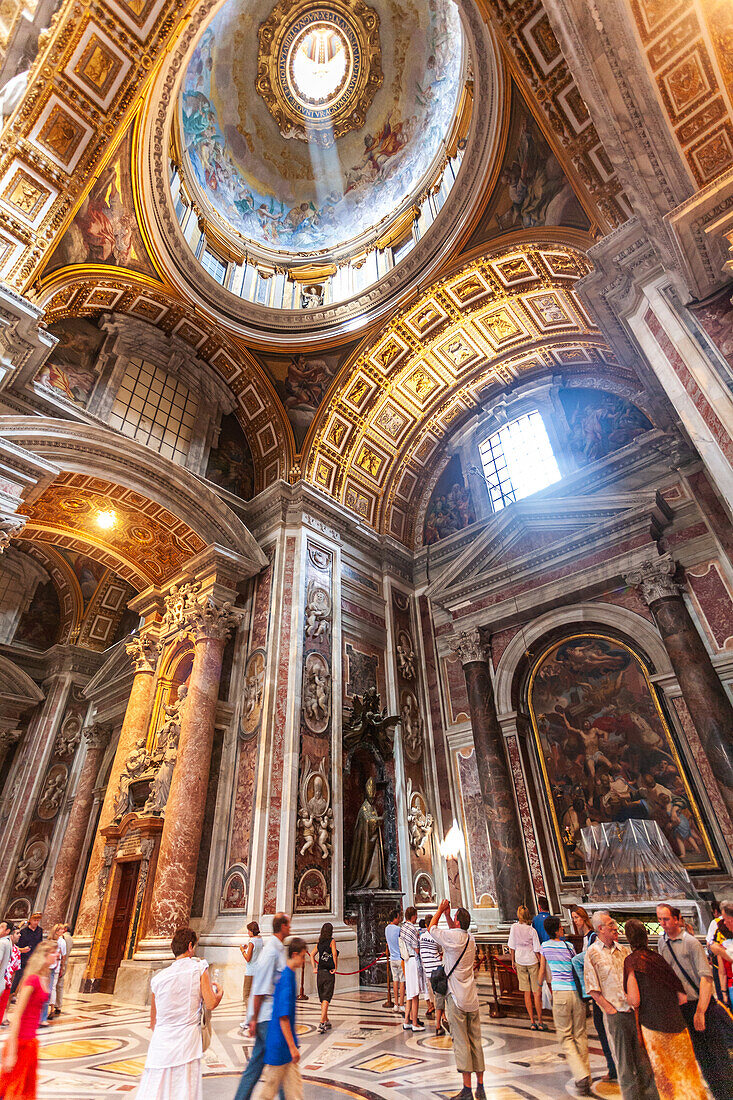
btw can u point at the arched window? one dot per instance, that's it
(518, 460)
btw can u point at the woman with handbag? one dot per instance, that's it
(568, 1010)
(180, 996)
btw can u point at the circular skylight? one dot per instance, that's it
(319, 63)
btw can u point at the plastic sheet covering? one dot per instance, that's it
(633, 861)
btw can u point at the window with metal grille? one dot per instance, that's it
(518, 460)
(155, 409)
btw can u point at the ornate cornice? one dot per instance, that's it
(655, 579)
(469, 647)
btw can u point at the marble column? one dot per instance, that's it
(706, 698)
(175, 877)
(505, 836)
(71, 851)
(144, 652)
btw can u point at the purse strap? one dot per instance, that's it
(465, 948)
(685, 974)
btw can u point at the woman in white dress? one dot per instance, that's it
(178, 993)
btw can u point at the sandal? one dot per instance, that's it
(534, 1026)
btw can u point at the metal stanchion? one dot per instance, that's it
(389, 1003)
(302, 996)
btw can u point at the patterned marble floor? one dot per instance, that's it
(97, 1049)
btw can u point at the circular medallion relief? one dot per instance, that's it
(319, 67)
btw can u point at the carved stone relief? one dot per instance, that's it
(30, 867)
(316, 693)
(68, 736)
(53, 792)
(317, 611)
(419, 821)
(254, 689)
(412, 726)
(315, 816)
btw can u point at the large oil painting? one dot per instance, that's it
(286, 194)
(606, 751)
(532, 189)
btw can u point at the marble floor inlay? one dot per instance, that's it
(97, 1049)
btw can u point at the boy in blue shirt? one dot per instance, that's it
(281, 1069)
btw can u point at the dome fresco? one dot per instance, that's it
(290, 196)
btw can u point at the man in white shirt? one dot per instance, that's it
(272, 961)
(462, 1003)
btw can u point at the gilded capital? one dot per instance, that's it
(207, 619)
(655, 579)
(97, 735)
(143, 652)
(469, 647)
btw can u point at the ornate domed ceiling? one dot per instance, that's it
(305, 127)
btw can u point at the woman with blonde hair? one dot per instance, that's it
(58, 936)
(19, 1064)
(524, 944)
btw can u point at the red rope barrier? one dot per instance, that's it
(367, 967)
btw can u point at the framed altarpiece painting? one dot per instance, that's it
(606, 751)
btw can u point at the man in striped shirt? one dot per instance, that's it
(410, 949)
(568, 1011)
(430, 956)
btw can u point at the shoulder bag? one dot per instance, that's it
(439, 978)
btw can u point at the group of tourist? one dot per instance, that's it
(663, 1029)
(656, 1015)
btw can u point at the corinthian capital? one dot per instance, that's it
(143, 652)
(8, 738)
(97, 735)
(655, 578)
(207, 619)
(468, 647)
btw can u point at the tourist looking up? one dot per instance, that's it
(396, 968)
(325, 961)
(655, 991)
(410, 948)
(177, 996)
(568, 1010)
(272, 961)
(19, 1065)
(538, 922)
(524, 946)
(583, 927)
(709, 1024)
(461, 1002)
(281, 1070)
(251, 951)
(604, 982)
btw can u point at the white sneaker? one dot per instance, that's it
(418, 1027)
(398, 1010)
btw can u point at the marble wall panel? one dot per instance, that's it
(454, 690)
(706, 772)
(473, 821)
(525, 816)
(710, 592)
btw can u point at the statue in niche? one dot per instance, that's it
(419, 821)
(316, 693)
(411, 727)
(368, 724)
(315, 816)
(160, 786)
(136, 763)
(317, 611)
(366, 862)
(405, 656)
(172, 725)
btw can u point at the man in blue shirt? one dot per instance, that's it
(281, 1070)
(272, 961)
(392, 936)
(538, 922)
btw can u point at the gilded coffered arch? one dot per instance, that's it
(502, 316)
(88, 291)
(65, 581)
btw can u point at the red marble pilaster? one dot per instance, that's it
(505, 838)
(175, 876)
(144, 653)
(72, 845)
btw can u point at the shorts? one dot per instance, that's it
(412, 978)
(395, 966)
(325, 982)
(529, 977)
(438, 999)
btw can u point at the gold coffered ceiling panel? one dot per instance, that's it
(138, 538)
(376, 440)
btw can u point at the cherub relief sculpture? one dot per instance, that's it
(31, 865)
(370, 724)
(317, 611)
(316, 693)
(53, 793)
(405, 656)
(136, 763)
(412, 727)
(315, 815)
(419, 821)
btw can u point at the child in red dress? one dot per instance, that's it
(19, 1063)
